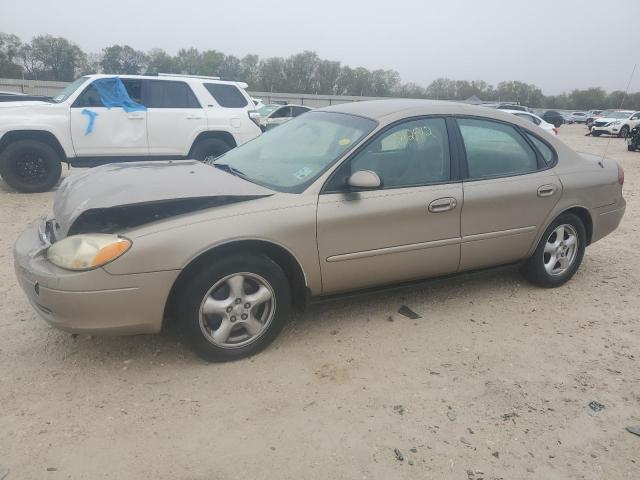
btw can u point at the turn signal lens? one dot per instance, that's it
(620, 175)
(86, 252)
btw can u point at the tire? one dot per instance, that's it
(596, 133)
(30, 166)
(630, 148)
(539, 269)
(220, 332)
(624, 132)
(209, 149)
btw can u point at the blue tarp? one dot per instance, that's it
(113, 94)
(92, 118)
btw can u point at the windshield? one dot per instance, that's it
(267, 109)
(618, 114)
(69, 89)
(289, 158)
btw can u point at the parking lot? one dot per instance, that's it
(493, 381)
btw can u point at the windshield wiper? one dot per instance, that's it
(229, 169)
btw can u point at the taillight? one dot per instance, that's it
(620, 175)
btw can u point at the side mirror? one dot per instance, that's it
(365, 179)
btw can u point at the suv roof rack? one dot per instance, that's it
(186, 76)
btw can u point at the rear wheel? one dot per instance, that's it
(558, 254)
(30, 166)
(209, 149)
(235, 307)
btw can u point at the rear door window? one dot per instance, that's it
(282, 112)
(168, 94)
(227, 96)
(495, 149)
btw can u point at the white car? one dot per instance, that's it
(100, 119)
(615, 122)
(579, 117)
(535, 119)
(274, 115)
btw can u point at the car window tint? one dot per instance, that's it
(412, 153)
(89, 98)
(494, 149)
(166, 94)
(543, 148)
(282, 112)
(299, 110)
(227, 96)
(134, 89)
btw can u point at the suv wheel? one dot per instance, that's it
(595, 133)
(624, 132)
(559, 252)
(30, 166)
(209, 149)
(235, 307)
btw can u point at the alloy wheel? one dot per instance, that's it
(237, 310)
(560, 250)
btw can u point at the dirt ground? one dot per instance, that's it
(493, 382)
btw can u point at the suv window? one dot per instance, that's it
(169, 94)
(134, 89)
(227, 96)
(88, 98)
(494, 149)
(413, 153)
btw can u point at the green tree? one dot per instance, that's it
(9, 51)
(123, 59)
(52, 58)
(161, 62)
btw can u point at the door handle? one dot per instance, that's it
(135, 117)
(546, 190)
(443, 205)
(194, 117)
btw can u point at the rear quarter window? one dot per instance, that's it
(547, 154)
(227, 96)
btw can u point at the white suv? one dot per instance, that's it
(162, 117)
(615, 122)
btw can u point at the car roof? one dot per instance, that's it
(388, 111)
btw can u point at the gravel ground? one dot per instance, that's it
(494, 381)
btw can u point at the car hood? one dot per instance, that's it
(149, 189)
(610, 119)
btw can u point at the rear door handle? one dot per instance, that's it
(443, 205)
(194, 117)
(546, 190)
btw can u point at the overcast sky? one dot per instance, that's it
(557, 45)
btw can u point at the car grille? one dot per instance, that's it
(600, 124)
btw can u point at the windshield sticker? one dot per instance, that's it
(303, 173)
(344, 141)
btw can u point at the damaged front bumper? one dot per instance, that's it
(92, 302)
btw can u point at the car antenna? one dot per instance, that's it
(626, 92)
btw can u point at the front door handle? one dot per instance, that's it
(443, 205)
(546, 190)
(194, 117)
(135, 117)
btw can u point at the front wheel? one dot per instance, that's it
(595, 133)
(30, 166)
(235, 307)
(558, 254)
(209, 149)
(624, 132)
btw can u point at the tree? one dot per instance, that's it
(326, 77)
(9, 51)
(210, 63)
(230, 68)
(52, 58)
(271, 74)
(123, 60)
(250, 70)
(161, 62)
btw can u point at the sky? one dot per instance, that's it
(558, 45)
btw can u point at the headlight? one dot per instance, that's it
(86, 252)
(617, 122)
